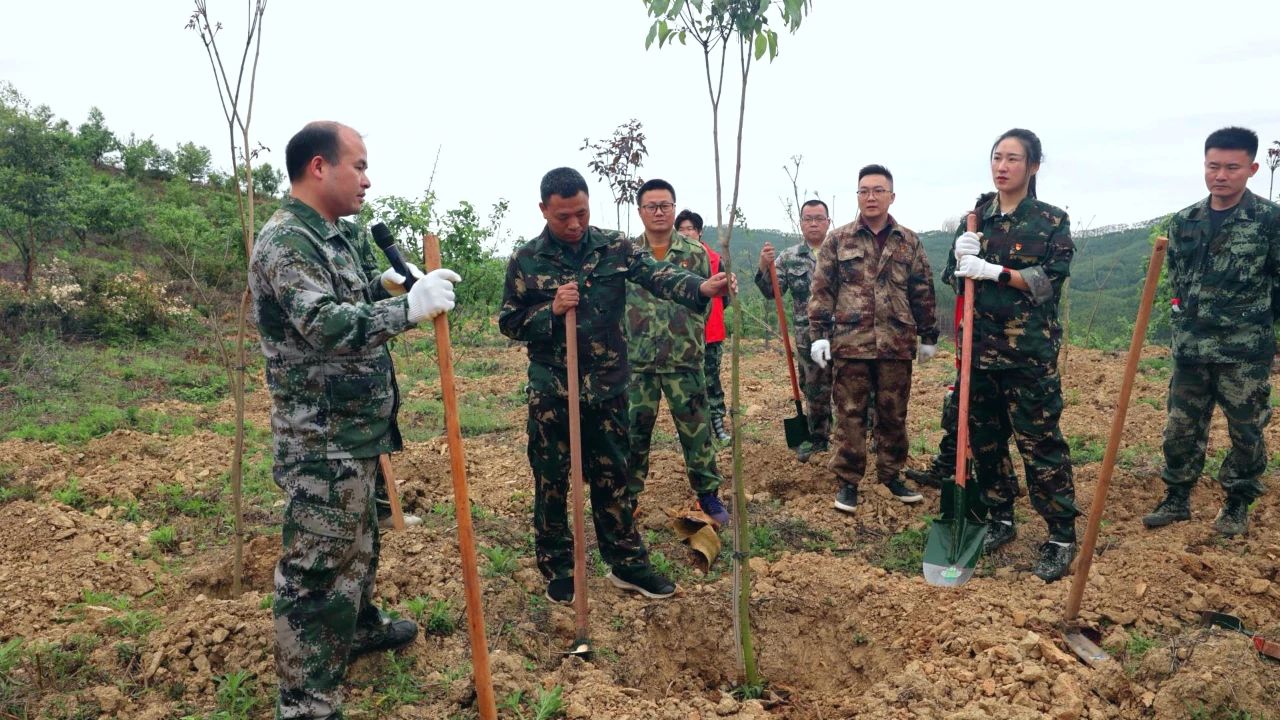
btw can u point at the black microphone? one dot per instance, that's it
(386, 241)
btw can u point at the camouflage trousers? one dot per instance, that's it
(1025, 403)
(944, 463)
(324, 579)
(1243, 391)
(711, 370)
(686, 394)
(604, 469)
(815, 384)
(855, 383)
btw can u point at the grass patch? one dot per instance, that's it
(71, 494)
(1085, 449)
(546, 705)
(478, 414)
(500, 560)
(134, 624)
(904, 552)
(1158, 366)
(438, 617)
(165, 538)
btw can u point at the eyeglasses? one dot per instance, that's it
(878, 192)
(655, 207)
(814, 218)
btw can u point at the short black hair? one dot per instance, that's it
(1233, 138)
(812, 203)
(565, 182)
(655, 184)
(316, 138)
(692, 217)
(875, 170)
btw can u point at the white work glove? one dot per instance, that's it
(820, 351)
(432, 295)
(968, 244)
(394, 281)
(972, 266)
(927, 352)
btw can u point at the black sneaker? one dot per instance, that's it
(1175, 507)
(999, 533)
(900, 491)
(1233, 519)
(711, 505)
(847, 498)
(644, 580)
(805, 451)
(820, 445)
(387, 634)
(561, 590)
(1055, 560)
(928, 478)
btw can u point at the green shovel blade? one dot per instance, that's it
(955, 540)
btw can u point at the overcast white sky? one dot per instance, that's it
(1121, 93)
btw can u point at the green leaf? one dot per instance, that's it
(773, 45)
(653, 32)
(762, 44)
(682, 34)
(659, 7)
(664, 32)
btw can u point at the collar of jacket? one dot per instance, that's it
(311, 218)
(1248, 208)
(680, 245)
(892, 226)
(993, 208)
(546, 245)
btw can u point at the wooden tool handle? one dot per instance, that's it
(786, 338)
(393, 493)
(1117, 430)
(966, 368)
(485, 700)
(575, 478)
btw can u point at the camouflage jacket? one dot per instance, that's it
(1016, 328)
(323, 320)
(1224, 283)
(795, 274)
(534, 272)
(663, 336)
(872, 303)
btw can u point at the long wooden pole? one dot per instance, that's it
(786, 339)
(966, 370)
(1117, 430)
(461, 504)
(582, 629)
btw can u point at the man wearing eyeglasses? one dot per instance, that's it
(795, 275)
(665, 345)
(872, 296)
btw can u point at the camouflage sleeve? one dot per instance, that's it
(1272, 234)
(520, 318)
(1044, 282)
(822, 293)
(667, 281)
(949, 270)
(764, 283)
(327, 323)
(924, 304)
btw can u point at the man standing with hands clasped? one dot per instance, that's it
(1224, 266)
(872, 296)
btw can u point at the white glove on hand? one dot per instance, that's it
(394, 281)
(972, 266)
(432, 295)
(968, 244)
(927, 352)
(820, 351)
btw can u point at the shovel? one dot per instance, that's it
(1267, 647)
(1081, 645)
(796, 428)
(955, 540)
(581, 644)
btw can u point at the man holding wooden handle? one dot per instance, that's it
(324, 318)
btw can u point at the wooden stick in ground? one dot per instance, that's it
(581, 643)
(1117, 429)
(393, 493)
(485, 701)
(782, 328)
